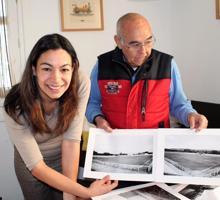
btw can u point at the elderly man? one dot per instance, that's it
(136, 86)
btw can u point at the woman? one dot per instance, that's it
(44, 115)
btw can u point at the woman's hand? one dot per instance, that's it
(102, 186)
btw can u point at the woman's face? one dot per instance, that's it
(53, 74)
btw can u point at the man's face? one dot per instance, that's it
(136, 41)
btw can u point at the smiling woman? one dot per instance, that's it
(44, 115)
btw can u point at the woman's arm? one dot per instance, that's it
(70, 162)
(57, 180)
(72, 137)
(30, 153)
(70, 158)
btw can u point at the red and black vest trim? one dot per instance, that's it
(142, 103)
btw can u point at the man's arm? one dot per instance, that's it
(94, 104)
(93, 111)
(180, 107)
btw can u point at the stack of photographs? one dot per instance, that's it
(180, 157)
(160, 191)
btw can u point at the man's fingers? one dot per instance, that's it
(108, 129)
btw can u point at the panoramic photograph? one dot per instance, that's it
(190, 155)
(110, 154)
(161, 157)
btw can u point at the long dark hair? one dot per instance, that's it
(24, 98)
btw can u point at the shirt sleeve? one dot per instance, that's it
(75, 130)
(94, 104)
(24, 142)
(180, 106)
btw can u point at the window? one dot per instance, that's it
(5, 80)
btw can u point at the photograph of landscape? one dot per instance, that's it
(120, 158)
(160, 155)
(188, 156)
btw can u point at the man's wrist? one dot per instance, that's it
(97, 116)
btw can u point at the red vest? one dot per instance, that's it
(143, 104)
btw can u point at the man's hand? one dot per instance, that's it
(197, 121)
(103, 124)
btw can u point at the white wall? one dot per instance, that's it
(187, 29)
(43, 17)
(196, 43)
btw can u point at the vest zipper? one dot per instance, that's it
(144, 100)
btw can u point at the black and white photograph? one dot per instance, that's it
(161, 155)
(122, 158)
(192, 155)
(199, 192)
(150, 191)
(117, 154)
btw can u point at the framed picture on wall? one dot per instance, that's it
(82, 15)
(217, 5)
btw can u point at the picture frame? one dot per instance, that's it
(78, 15)
(217, 6)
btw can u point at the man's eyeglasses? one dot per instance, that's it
(138, 45)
